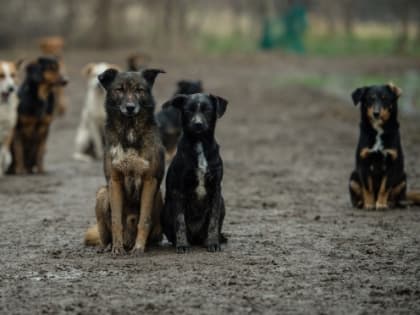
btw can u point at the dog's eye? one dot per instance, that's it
(119, 90)
(140, 92)
(2, 76)
(13, 75)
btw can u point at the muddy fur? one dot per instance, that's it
(128, 208)
(194, 207)
(379, 180)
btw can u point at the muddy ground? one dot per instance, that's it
(295, 245)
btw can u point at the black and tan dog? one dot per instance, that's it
(35, 113)
(379, 181)
(169, 118)
(128, 208)
(194, 207)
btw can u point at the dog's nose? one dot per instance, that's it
(130, 107)
(64, 81)
(376, 115)
(198, 125)
(11, 88)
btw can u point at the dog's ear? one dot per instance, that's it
(34, 72)
(357, 95)
(394, 89)
(87, 69)
(179, 101)
(107, 77)
(19, 63)
(220, 104)
(151, 74)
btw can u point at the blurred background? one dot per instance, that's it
(321, 29)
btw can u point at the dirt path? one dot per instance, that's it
(295, 244)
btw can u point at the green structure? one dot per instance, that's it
(286, 32)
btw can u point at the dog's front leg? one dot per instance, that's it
(368, 195)
(182, 244)
(116, 201)
(18, 156)
(383, 195)
(213, 237)
(148, 195)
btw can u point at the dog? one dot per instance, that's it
(128, 208)
(35, 111)
(137, 61)
(53, 46)
(90, 135)
(8, 111)
(194, 207)
(169, 118)
(379, 180)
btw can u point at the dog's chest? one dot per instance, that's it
(379, 144)
(201, 171)
(128, 161)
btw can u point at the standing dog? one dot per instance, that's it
(90, 136)
(379, 180)
(169, 118)
(35, 111)
(128, 208)
(194, 207)
(8, 112)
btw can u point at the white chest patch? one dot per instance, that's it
(131, 136)
(378, 146)
(201, 171)
(128, 161)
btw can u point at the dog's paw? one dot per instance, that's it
(183, 249)
(137, 251)
(117, 251)
(212, 248)
(381, 207)
(104, 249)
(369, 207)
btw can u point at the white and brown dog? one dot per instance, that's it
(90, 134)
(8, 111)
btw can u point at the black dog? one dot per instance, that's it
(379, 180)
(169, 118)
(194, 209)
(35, 114)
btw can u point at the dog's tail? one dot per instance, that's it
(413, 197)
(92, 236)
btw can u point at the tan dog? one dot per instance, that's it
(128, 208)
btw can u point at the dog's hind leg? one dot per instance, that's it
(399, 196)
(18, 154)
(103, 217)
(355, 188)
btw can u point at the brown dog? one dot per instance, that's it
(128, 208)
(54, 46)
(35, 111)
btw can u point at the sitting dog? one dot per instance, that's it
(53, 46)
(8, 112)
(379, 180)
(137, 61)
(35, 110)
(194, 208)
(169, 118)
(90, 136)
(128, 208)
